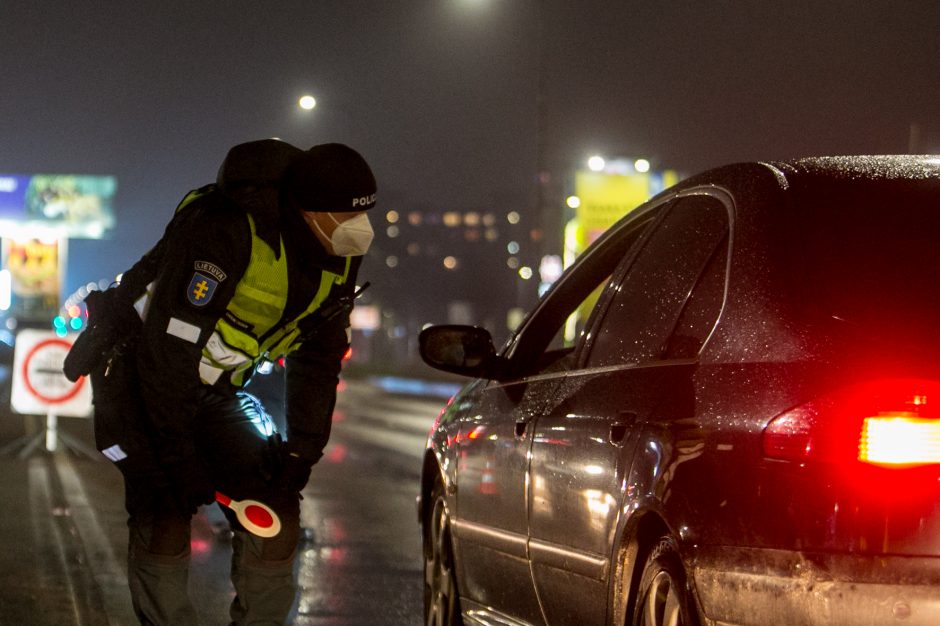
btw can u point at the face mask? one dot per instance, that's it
(350, 238)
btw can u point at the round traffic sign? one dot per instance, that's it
(43, 375)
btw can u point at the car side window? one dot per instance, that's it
(652, 295)
(702, 308)
(544, 342)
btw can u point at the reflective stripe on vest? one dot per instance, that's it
(258, 306)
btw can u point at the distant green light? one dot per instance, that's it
(61, 332)
(76, 323)
(59, 322)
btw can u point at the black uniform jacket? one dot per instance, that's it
(211, 236)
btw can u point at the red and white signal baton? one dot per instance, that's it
(257, 518)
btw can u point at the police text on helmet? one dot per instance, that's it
(364, 201)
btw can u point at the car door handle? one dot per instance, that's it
(618, 430)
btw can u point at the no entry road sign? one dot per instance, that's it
(39, 386)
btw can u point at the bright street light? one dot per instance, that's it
(307, 102)
(642, 165)
(596, 163)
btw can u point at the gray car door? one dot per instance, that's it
(583, 445)
(495, 437)
(489, 525)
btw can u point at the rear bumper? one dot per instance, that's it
(751, 586)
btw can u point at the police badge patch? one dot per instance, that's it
(201, 288)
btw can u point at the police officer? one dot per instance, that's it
(258, 266)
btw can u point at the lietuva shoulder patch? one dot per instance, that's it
(210, 268)
(204, 282)
(201, 289)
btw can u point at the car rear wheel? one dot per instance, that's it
(441, 607)
(663, 597)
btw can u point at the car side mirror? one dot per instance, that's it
(464, 350)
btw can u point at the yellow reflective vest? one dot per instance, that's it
(253, 327)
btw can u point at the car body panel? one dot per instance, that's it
(491, 523)
(581, 456)
(797, 587)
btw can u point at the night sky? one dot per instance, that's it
(441, 95)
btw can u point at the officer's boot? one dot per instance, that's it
(263, 577)
(159, 580)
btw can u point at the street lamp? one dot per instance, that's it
(307, 102)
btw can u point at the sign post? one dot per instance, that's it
(39, 387)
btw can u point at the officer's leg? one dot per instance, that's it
(157, 558)
(234, 433)
(263, 574)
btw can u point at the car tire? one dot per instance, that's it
(663, 596)
(441, 606)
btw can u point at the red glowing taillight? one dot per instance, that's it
(895, 440)
(890, 423)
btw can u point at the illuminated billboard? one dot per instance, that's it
(605, 198)
(72, 205)
(35, 268)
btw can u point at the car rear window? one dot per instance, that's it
(868, 256)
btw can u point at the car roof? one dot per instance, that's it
(815, 172)
(876, 167)
(768, 194)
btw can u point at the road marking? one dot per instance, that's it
(48, 500)
(397, 424)
(110, 577)
(403, 443)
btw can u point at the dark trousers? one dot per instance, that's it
(233, 437)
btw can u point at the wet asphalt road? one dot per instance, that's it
(63, 534)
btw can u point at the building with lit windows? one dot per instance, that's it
(484, 266)
(433, 267)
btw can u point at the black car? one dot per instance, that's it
(727, 411)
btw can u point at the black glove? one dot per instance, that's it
(189, 485)
(295, 470)
(113, 323)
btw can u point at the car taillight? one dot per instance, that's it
(899, 440)
(790, 435)
(890, 423)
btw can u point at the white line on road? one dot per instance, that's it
(397, 424)
(110, 577)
